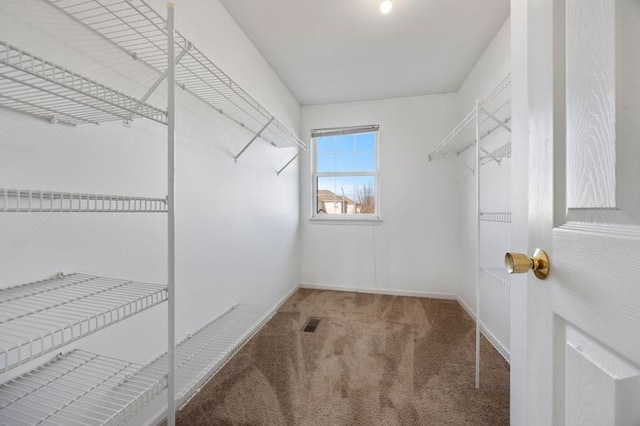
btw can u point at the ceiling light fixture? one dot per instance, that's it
(385, 6)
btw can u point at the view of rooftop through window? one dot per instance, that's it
(345, 174)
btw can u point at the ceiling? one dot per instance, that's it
(329, 51)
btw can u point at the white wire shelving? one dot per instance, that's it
(486, 125)
(40, 88)
(79, 388)
(26, 200)
(491, 114)
(138, 30)
(499, 283)
(500, 217)
(40, 317)
(497, 277)
(89, 389)
(204, 352)
(497, 155)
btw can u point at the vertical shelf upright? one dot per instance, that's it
(171, 231)
(484, 128)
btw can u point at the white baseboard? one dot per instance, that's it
(466, 307)
(388, 292)
(502, 349)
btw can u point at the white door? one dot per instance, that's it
(578, 360)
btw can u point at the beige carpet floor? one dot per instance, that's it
(373, 360)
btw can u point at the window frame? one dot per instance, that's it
(357, 218)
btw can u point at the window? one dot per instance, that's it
(345, 173)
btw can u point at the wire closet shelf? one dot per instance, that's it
(40, 317)
(497, 277)
(85, 388)
(27, 200)
(43, 89)
(202, 353)
(80, 388)
(493, 114)
(136, 28)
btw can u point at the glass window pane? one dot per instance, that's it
(365, 194)
(346, 143)
(365, 142)
(346, 195)
(345, 162)
(365, 161)
(326, 145)
(326, 163)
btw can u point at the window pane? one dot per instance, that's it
(326, 145)
(345, 162)
(326, 163)
(346, 195)
(346, 143)
(365, 142)
(365, 162)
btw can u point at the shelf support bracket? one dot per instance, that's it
(253, 139)
(491, 155)
(497, 120)
(288, 162)
(158, 82)
(455, 157)
(162, 77)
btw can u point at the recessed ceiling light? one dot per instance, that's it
(385, 6)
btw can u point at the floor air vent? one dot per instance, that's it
(311, 325)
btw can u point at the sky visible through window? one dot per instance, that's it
(353, 153)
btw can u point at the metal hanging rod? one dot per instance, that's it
(34, 86)
(26, 200)
(42, 316)
(138, 30)
(287, 164)
(79, 388)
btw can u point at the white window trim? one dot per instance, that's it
(355, 219)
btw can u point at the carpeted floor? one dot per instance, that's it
(373, 360)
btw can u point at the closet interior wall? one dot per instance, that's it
(412, 251)
(494, 237)
(494, 64)
(479, 147)
(228, 214)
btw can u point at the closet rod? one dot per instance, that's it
(287, 165)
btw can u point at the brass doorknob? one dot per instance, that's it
(520, 263)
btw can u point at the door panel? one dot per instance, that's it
(597, 381)
(590, 89)
(583, 322)
(596, 285)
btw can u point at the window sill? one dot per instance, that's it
(371, 221)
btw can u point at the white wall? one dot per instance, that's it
(234, 244)
(493, 65)
(413, 250)
(426, 241)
